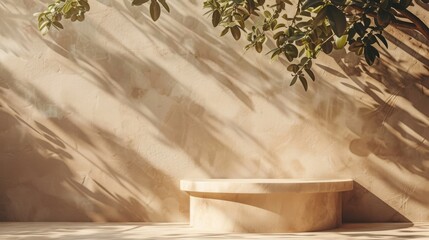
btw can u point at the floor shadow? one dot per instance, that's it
(75, 231)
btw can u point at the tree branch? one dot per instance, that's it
(418, 23)
(415, 24)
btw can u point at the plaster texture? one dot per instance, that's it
(100, 121)
(265, 205)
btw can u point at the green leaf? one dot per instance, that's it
(320, 17)
(308, 53)
(305, 13)
(238, 17)
(304, 82)
(280, 25)
(58, 25)
(258, 47)
(309, 64)
(165, 5)
(327, 47)
(235, 31)
(360, 29)
(384, 18)
(85, 5)
(337, 19)
(340, 42)
(310, 73)
(351, 34)
(370, 53)
(44, 30)
(267, 14)
(293, 68)
(43, 24)
(296, 36)
(67, 7)
(366, 21)
(370, 39)
(40, 16)
(311, 3)
(281, 40)
(278, 34)
(276, 53)
(383, 39)
(139, 2)
(155, 10)
(216, 18)
(273, 25)
(251, 6)
(293, 80)
(80, 17)
(290, 67)
(290, 51)
(224, 31)
(303, 24)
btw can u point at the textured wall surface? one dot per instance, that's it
(99, 122)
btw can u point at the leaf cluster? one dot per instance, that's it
(68, 9)
(317, 26)
(154, 7)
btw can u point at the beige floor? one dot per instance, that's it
(35, 231)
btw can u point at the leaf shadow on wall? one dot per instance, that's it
(39, 184)
(390, 139)
(156, 97)
(393, 141)
(139, 82)
(59, 193)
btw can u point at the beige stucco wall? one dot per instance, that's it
(100, 121)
